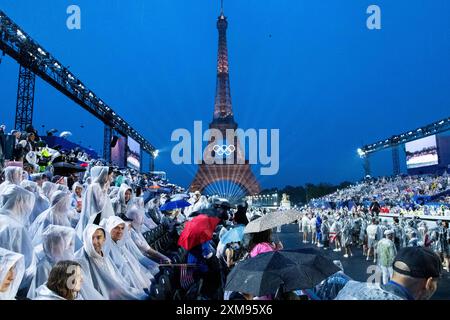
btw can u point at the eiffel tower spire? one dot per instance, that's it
(223, 112)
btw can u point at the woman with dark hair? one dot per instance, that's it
(64, 282)
(261, 242)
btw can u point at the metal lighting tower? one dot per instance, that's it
(35, 60)
(107, 137)
(25, 99)
(395, 160)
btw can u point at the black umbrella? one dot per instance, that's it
(66, 169)
(211, 212)
(289, 270)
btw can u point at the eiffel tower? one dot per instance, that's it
(217, 165)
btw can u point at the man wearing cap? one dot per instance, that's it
(386, 254)
(416, 274)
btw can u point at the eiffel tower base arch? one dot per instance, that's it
(240, 174)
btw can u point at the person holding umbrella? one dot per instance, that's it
(277, 273)
(230, 249)
(196, 239)
(261, 242)
(239, 220)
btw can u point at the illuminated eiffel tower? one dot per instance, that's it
(239, 172)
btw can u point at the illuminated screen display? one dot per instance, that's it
(422, 153)
(133, 154)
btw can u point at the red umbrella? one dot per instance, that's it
(197, 231)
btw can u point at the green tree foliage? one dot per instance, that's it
(302, 194)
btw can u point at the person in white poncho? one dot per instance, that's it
(96, 202)
(58, 244)
(48, 189)
(58, 214)
(99, 271)
(137, 217)
(130, 267)
(77, 196)
(13, 176)
(40, 204)
(123, 201)
(12, 270)
(15, 209)
(138, 202)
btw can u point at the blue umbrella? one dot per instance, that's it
(172, 205)
(233, 235)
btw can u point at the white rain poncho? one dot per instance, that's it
(149, 224)
(44, 293)
(95, 200)
(152, 209)
(113, 192)
(130, 268)
(48, 189)
(58, 244)
(139, 246)
(355, 290)
(40, 204)
(63, 187)
(13, 176)
(76, 200)
(139, 202)
(192, 200)
(100, 273)
(119, 204)
(136, 229)
(58, 214)
(200, 204)
(17, 204)
(8, 260)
